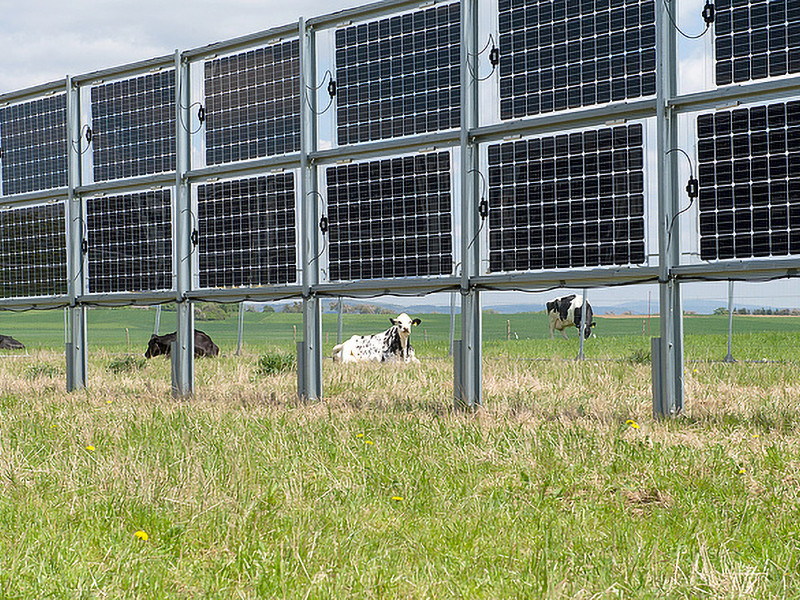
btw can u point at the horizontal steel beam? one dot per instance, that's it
(376, 9)
(127, 298)
(245, 169)
(417, 286)
(558, 122)
(40, 197)
(739, 270)
(135, 68)
(385, 148)
(255, 294)
(127, 185)
(243, 42)
(761, 91)
(31, 93)
(34, 303)
(545, 280)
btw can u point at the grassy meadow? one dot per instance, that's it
(561, 486)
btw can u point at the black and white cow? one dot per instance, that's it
(9, 343)
(162, 344)
(566, 311)
(390, 345)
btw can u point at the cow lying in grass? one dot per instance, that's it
(390, 345)
(162, 344)
(9, 343)
(566, 312)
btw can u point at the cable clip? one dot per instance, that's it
(708, 12)
(84, 246)
(89, 135)
(692, 188)
(201, 114)
(323, 224)
(331, 88)
(195, 237)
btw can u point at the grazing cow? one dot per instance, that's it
(566, 311)
(162, 344)
(390, 345)
(9, 343)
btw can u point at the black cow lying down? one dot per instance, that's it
(9, 343)
(161, 344)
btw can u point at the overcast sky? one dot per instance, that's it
(45, 40)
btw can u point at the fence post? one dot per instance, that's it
(729, 358)
(240, 340)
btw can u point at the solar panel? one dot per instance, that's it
(247, 231)
(253, 104)
(33, 251)
(130, 242)
(756, 39)
(573, 200)
(33, 145)
(558, 54)
(133, 124)
(399, 76)
(390, 218)
(749, 172)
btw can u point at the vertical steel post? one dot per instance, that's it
(729, 358)
(581, 356)
(468, 391)
(183, 363)
(671, 307)
(157, 324)
(309, 370)
(452, 323)
(76, 352)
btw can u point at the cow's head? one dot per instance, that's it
(155, 347)
(404, 323)
(588, 322)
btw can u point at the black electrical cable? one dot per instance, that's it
(494, 58)
(483, 206)
(708, 15)
(332, 90)
(692, 190)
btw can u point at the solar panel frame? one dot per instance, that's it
(33, 139)
(252, 103)
(749, 175)
(399, 75)
(129, 242)
(557, 56)
(248, 232)
(756, 40)
(133, 126)
(572, 200)
(390, 218)
(33, 250)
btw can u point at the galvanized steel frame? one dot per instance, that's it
(470, 281)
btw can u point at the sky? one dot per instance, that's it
(44, 40)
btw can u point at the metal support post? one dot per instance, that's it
(452, 323)
(309, 371)
(340, 322)
(468, 390)
(183, 361)
(729, 358)
(76, 353)
(671, 307)
(157, 324)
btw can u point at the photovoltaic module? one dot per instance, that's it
(572, 200)
(390, 218)
(749, 172)
(247, 232)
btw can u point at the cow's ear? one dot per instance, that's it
(392, 321)
(416, 321)
(593, 324)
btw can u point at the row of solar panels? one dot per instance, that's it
(563, 201)
(395, 76)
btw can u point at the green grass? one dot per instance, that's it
(561, 486)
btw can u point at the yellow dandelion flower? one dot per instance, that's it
(741, 471)
(397, 498)
(90, 448)
(108, 401)
(632, 423)
(359, 435)
(142, 535)
(695, 371)
(369, 442)
(755, 435)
